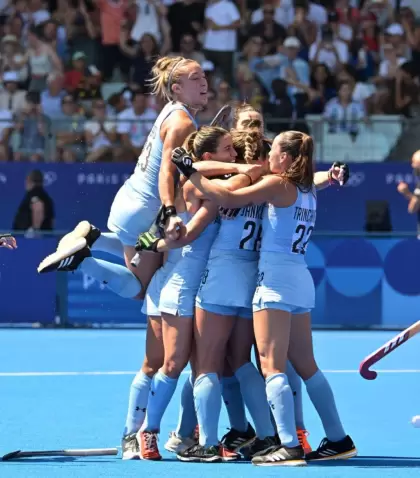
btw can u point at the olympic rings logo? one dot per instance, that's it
(356, 179)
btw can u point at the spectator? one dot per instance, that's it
(302, 27)
(112, 15)
(222, 22)
(188, 49)
(6, 129)
(405, 90)
(89, 89)
(12, 98)
(33, 128)
(134, 125)
(36, 211)
(296, 73)
(268, 30)
(186, 18)
(51, 97)
(117, 103)
(12, 58)
(42, 59)
(394, 35)
(82, 29)
(37, 13)
(343, 114)
(68, 129)
(322, 89)
(100, 134)
(329, 50)
(76, 75)
(283, 14)
(149, 15)
(142, 56)
(389, 65)
(279, 108)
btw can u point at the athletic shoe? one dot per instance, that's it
(259, 445)
(200, 454)
(333, 450)
(83, 229)
(130, 447)
(303, 440)
(148, 446)
(280, 456)
(234, 440)
(66, 259)
(177, 444)
(228, 455)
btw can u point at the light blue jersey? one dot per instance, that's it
(178, 293)
(284, 281)
(151, 301)
(137, 203)
(230, 278)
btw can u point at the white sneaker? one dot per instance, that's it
(130, 447)
(176, 444)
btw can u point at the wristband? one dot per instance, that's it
(169, 211)
(330, 178)
(250, 178)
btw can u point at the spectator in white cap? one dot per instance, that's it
(395, 35)
(11, 98)
(296, 72)
(11, 58)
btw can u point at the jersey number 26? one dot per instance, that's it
(251, 232)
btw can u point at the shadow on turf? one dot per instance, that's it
(374, 462)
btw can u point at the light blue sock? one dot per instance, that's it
(322, 397)
(280, 399)
(187, 417)
(117, 278)
(109, 242)
(162, 389)
(253, 390)
(208, 403)
(295, 383)
(137, 403)
(231, 393)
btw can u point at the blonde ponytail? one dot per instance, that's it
(248, 145)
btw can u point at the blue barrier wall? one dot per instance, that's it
(86, 191)
(359, 282)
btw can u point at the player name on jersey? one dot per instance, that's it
(304, 215)
(255, 212)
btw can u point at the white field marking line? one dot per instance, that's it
(185, 372)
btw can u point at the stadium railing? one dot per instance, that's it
(362, 281)
(354, 141)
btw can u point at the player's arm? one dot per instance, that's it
(178, 127)
(413, 200)
(232, 184)
(217, 168)
(205, 215)
(201, 219)
(338, 173)
(264, 190)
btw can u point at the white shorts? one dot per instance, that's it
(150, 306)
(282, 285)
(130, 215)
(178, 294)
(229, 281)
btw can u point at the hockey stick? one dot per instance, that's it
(14, 455)
(385, 350)
(222, 119)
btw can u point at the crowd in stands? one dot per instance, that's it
(75, 73)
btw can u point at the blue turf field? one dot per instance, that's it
(69, 388)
